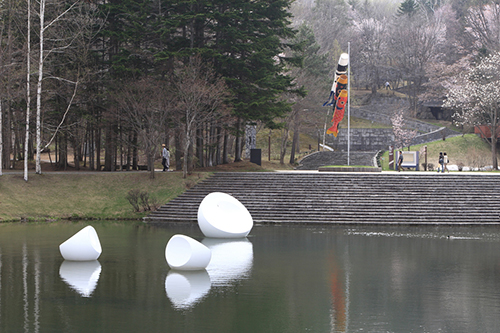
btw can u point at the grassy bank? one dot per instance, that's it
(468, 150)
(99, 195)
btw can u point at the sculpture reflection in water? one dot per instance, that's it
(231, 260)
(81, 276)
(187, 288)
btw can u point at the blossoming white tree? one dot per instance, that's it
(477, 99)
(402, 135)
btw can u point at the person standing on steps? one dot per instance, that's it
(445, 162)
(400, 160)
(165, 161)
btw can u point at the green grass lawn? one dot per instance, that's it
(469, 150)
(99, 195)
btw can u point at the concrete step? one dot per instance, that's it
(348, 198)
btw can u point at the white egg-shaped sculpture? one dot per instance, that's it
(185, 253)
(220, 215)
(81, 276)
(82, 246)
(185, 289)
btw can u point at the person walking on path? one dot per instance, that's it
(400, 160)
(441, 162)
(445, 162)
(165, 161)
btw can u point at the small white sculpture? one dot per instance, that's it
(81, 276)
(185, 289)
(220, 215)
(184, 253)
(232, 260)
(82, 246)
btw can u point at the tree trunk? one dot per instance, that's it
(284, 140)
(108, 154)
(134, 152)
(218, 160)
(237, 148)
(129, 150)
(199, 145)
(151, 163)
(225, 158)
(494, 140)
(76, 152)
(295, 140)
(1, 139)
(38, 168)
(178, 149)
(187, 144)
(63, 151)
(7, 147)
(28, 98)
(98, 149)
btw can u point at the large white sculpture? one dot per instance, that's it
(81, 276)
(184, 253)
(185, 289)
(232, 260)
(222, 216)
(82, 246)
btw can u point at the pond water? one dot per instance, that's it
(279, 279)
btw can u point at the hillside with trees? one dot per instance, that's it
(109, 81)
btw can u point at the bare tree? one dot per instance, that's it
(373, 51)
(41, 60)
(143, 106)
(415, 42)
(199, 95)
(28, 97)
(482, 26)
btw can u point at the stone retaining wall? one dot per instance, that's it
(362, 139)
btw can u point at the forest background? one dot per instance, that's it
(111, 81)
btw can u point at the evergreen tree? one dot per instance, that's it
(248, 52)
(407, 7)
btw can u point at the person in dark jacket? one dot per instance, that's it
(441, 162)
(400, 160)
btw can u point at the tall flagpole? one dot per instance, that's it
(349, 105)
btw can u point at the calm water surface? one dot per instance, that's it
(279, 279)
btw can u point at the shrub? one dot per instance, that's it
(144, 198)
(133, 199)
(141, 199)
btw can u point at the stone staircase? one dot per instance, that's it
(348, 198)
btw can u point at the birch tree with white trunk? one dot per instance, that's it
(41, 61)
(28, 97)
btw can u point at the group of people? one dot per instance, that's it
(443, 162)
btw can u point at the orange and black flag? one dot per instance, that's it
(338, 114)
